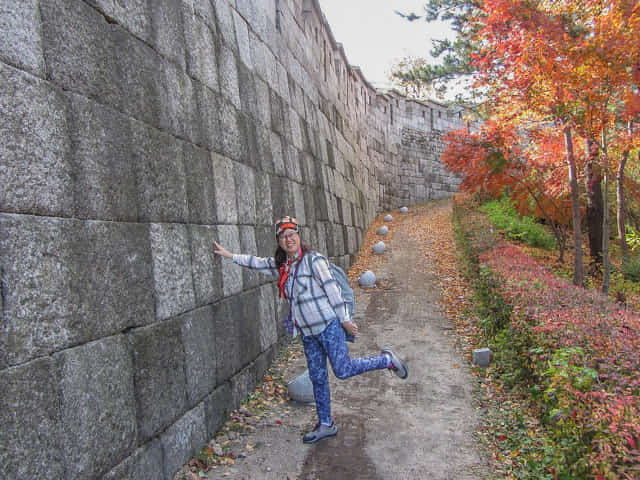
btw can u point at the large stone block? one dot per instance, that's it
(178, 104)
(264, 209)
(245, 193)
(207, 268)
(98, 409)
(228, 76)
(133, 15)
(248, 327)
(160, 175)
(66, 282)
(31, 433)
(225, 21)
(146, 463)
(173, 281)
(159, 378)
(251, 131)
(267, 321)
(217, 407)
(243, 383)
(200, 184)
(104, 184)
(232, 143)
(277, 112)
(201, 48)
(183, 439)
(112, 278)
(227, 314)
(142, 85)
(242, 39)
(208, 103)
(250, 277)
(21, 40)
(248, 94)
(297, 195)
(35, 153)
(309, 205)
(229, 237)
(167, 28)
(292, 162)
(225, 189)
(257, 53)
(281, 198)
(80, 50)
(277, 154)
(199, 339)
(266, 245)
(263, 102)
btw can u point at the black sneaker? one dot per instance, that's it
(319, 432)
(398, 366)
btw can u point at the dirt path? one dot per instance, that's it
(419, 428)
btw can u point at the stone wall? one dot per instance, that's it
(134, 133)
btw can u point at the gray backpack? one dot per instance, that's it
(347, 291)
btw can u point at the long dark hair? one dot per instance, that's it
(281, 256)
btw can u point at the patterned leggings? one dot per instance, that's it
(332, 343)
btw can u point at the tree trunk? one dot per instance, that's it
(624, 247)
(578, 273)
(595, 210)
(606, 263)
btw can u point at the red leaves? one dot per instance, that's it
(601, 337)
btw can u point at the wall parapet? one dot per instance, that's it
(133, 137)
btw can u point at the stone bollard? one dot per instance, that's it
(404, 210)
(367, 279)
(379, 248)
(383, 230)
(301, 388)
(388, 218)
(481, 357)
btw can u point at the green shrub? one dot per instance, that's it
(631, 268)
(504, 216)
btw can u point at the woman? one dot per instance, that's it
(317, 311)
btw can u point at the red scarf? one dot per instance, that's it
(285, 269)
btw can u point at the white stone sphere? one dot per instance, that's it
(383, 230)
(379, 248)
(367, 279)
(388, 218)
(301, 388)
(404, 210)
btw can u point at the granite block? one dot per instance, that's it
(79, 50)
(199, 339)
(229, 237)
(35, 154)
(31, 434)
(217, 407)
(160, 175)
(21, 39)
(225, 189)
(172, 278)
(207, 267)
(200, 184)
(146, 463)
(159, 378)
(104, 185)
(182, 440)
(98, 409)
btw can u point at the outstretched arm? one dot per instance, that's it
(220, 250)
(266, 266)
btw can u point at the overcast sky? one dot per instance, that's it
(374, 37)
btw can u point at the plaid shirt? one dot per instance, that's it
(316, 300)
